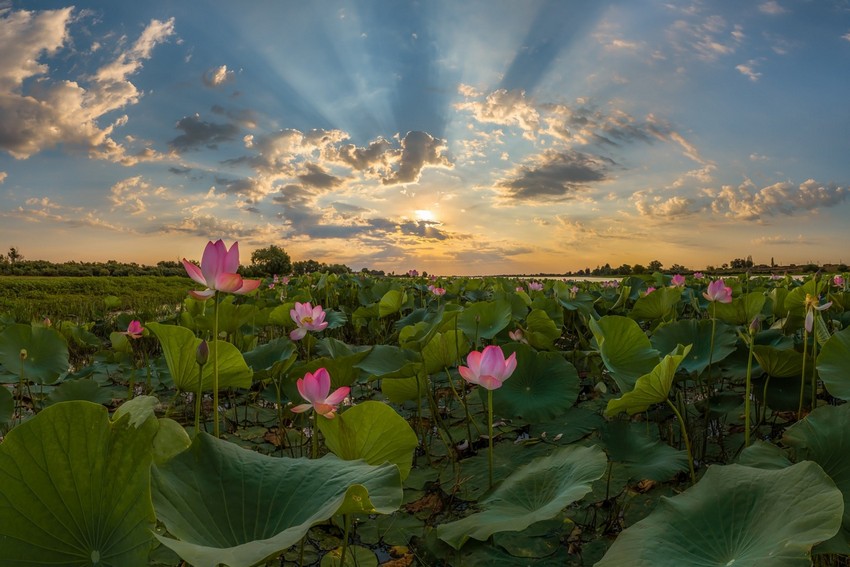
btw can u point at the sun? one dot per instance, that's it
(425, 215)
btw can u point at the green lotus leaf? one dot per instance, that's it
(232, 317)
(270, 355)
(85, 390)
(485, 319)
(544, 385)
(742, 310)
(391, 302)
(652, 388)
(406, 383)
(824, 437)
(179, 346)
(781, 363)
(542, 331)
(444, 350)
(660, 304)
(228, 505)
(75, 489)
(763, 455)
(642, 457)
(736, 516)
(383, 359)
(374, 432)
(120, 342)
(698, 335)
(624, 348)
(534, 492)
(834, 364)
(46, 354)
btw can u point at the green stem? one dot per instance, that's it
(147, 370)
(711, 347)
(216, 429)
(803, 374)
(198, 397)
(814, 365)
(314, 436)
(686, 440)
(490, 432)
(747, 394)
(347, 522)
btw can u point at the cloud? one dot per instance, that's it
(3, 176)
(244, 116)
(846, 36)
(771, 7)
(748, 69)
(198, 133)
(555, 176)
(40, 113)
(217, 76)
(649, 205)
(502, 107)
(418, 150)
(709, 38)
(779, 240)
(314, 176)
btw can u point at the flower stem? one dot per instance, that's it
(216, 430)
(314, 437)
(490, 432)
(747, 393)
(347, 521)
(198, 396)
(803, 374)
(686, 440)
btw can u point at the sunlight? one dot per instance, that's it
(425, 215)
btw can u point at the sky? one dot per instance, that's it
(455, 137)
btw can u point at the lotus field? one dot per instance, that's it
(358, 420)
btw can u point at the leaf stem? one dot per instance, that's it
(686, 440)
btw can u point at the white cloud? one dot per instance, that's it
(41, 113)
(771, 7)
(218, 76)
(748, 69)
(3, 176)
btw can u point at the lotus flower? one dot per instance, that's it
(438, 291)
(134, 330)
(218, 271)
(413, 273)
(838, 280)
(518, 336)
(488, 368)
(718, 291)
(315, 389)
(698, 275)
(811, 307)
(307, 318)
(649, 290)
(535, 286)
(678, 280)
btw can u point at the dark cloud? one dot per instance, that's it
(377, 156)
(243, 116)
(180, 170)
(199, 133)
(418, 149)
(315, 176)
(555, 176)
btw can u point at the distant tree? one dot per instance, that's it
(655, 266)
(270, 261)
(741, 264)
(14, 255)
(624, 269)
(303, 267)
(677, 269)
(639, 269)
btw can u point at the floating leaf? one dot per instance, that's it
(736, 516)
(542, 331)
(44, 353)
(444, 350)
(660, 304)
(642, 457)
(535, 492)
(781, 363)
(75, 489)
(84, 390)
(485, 319)
(229, 505)
(698, 335)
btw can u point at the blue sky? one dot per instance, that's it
(473, 137)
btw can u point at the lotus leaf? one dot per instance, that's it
(652, 388)
(75, 489)
(86, 390)
(228, 505)
(734, 516)
(542, 330)
(660, 304)
(625, 349)
(46, 354)
(444, 350)
(391, 302)
(781, 363)
(534, 492)
(643, 458)
(698, 335)
(374, 432)
(834, 364)
(484, 320)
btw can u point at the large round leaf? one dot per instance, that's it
(228, 505)
(374, 432)
(834, 364)
(660, 304)
(624, 348)
(824, 437)
(736, 516)
(643, 458)
(781, 363)
(485, 319)
(179, 346)
(542, 330)
(698, 335)
(444, 350)
(75, 489)
(7, 405)
(535, 492)
(742, 310)
(652, 388)
(45, 356)
(544, 385)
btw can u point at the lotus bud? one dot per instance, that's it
(24, 354)
(202, 354)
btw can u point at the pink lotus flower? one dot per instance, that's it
(649, 290)
(838, 280)
(535, 286)
(315, 389)
(698, 275)
(678, 280)
(517, 336)
(307, 318)
(413, 273)
(134, 330)
(218, 271)
(718, 291)
(520, 288)
(488, 368)
(574, 290)
(438, 291)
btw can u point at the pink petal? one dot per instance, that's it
(492, 361)
(298, 334)
(510, 366)
(300, 385)
(231, 259)
(312, 390)
(301, 408)
(202, 295)
(338, 395)
(467, 374)
(211, 261)
(228, 282)
(249, 286)
(194, 272)
(810, 320)
(324, 380)
(473, 360)
(490, 382)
